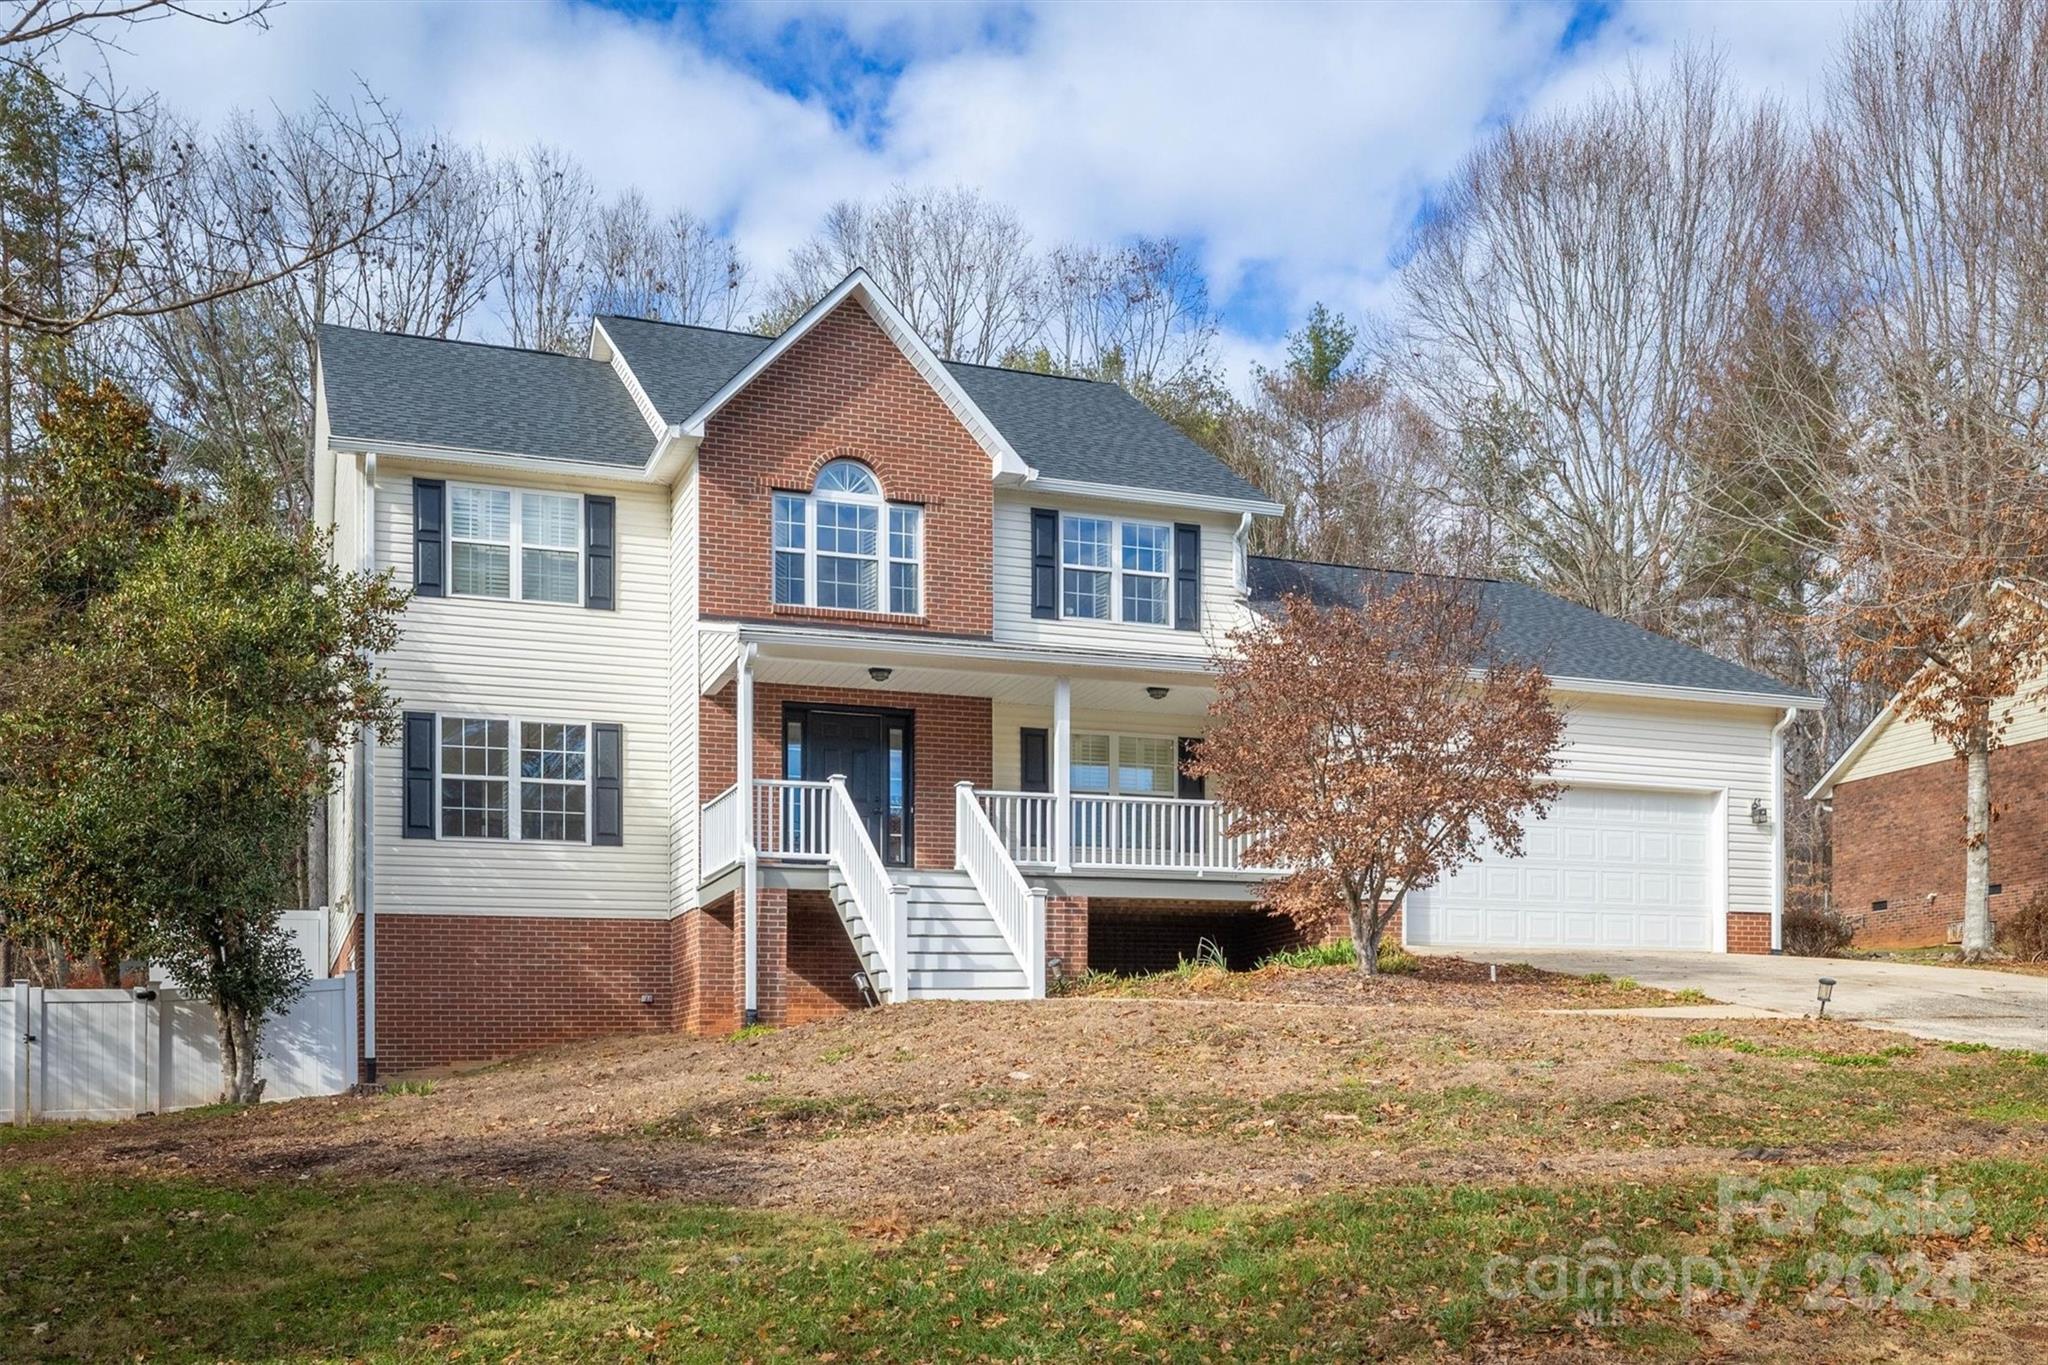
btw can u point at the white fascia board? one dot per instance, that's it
(1776, 701)
(498, 459)
(941, 651)
(603, 348)
(1825, 788)
(1154, 497)
(1005, 461)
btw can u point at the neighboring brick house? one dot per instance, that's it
(1897, 823)
(754, 677)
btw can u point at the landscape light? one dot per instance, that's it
(1827, 993)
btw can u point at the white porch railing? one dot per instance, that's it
(792, 820)
(718, 834)
(1127, 833)
(1017, 907)
(881, 902)
(1023, 822)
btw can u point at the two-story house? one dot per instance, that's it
(754, 678)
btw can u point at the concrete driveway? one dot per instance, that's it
(1952, 1004)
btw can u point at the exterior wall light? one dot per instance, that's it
(1827, 993)
(1759, 813)
(880, 674)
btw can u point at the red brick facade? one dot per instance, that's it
(949, 744)
(1898, 839)
(844, 389)
(466, 988)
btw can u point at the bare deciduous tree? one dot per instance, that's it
(1576, 283)
(676, 269)
(1136, 314)
(544, 235)
(1374, 750)
(959, 267)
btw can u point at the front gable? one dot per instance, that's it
(843, 389)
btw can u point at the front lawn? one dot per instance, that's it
(1278, 1161)
(177, 1269)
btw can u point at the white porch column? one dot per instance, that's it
(1063, 774)
(750, 873)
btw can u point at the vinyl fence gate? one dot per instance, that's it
(113, 1054)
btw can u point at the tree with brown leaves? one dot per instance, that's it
(1373, 750)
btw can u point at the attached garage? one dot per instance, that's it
(1607, 867)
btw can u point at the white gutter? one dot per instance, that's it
(1778, 828)
(499, 459)
(1198, 502)
(366, 902)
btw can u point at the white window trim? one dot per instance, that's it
(1116, 739)
(518, 544)
(513, 781)
(1116, 570)
(883, 556)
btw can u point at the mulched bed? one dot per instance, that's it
(1438, 982)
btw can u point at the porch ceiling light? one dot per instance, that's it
(1827, 993)
(880, 674)
(1156, 693)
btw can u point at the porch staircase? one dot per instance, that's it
(952, 948)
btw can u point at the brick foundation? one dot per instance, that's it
(470, 988)
(821, 961)
(1749, 933)
(1898, 839)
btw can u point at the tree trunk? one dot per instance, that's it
(1365, 934)
(238, 1083)
(1977, 847)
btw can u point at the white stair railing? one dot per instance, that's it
(719, 838)
(882, 903)
(1017, 907)
(791, 819)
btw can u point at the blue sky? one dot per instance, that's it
(1292, 145)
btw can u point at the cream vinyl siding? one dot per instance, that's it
(1007, 718)
(1619, 742)
(1902, 744)
(682, 693)
(1223, 606)
(536, 661)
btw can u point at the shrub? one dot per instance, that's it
(2024, 933)
(1816, 933)
(1394, 960)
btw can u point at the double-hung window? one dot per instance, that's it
(1113, 570)
(1124, 765)
(478, 777)
(842, 546)
(525, 546)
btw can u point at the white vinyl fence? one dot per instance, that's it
(107, 1054)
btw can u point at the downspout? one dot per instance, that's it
(366, 893)
(1778, 828)
(750, 873)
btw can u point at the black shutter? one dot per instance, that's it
(1187, 576)
(1034, 768)
(429, 503)
(1191, 788)
(600, 516)
(607, 807)
(419, 774)
(1045, 564)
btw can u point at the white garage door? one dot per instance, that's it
(1606, 868)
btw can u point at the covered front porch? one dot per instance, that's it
(962, 803)
(1074, 761)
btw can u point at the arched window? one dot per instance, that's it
(843, 546)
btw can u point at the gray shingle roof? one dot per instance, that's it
(1095, 433)
(1065, 428)
(384, 386)
(1533, 626)
(680, 367)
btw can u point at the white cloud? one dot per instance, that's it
(1293, 143)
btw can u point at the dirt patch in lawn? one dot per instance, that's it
(955, 1107)
(1433, 981)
